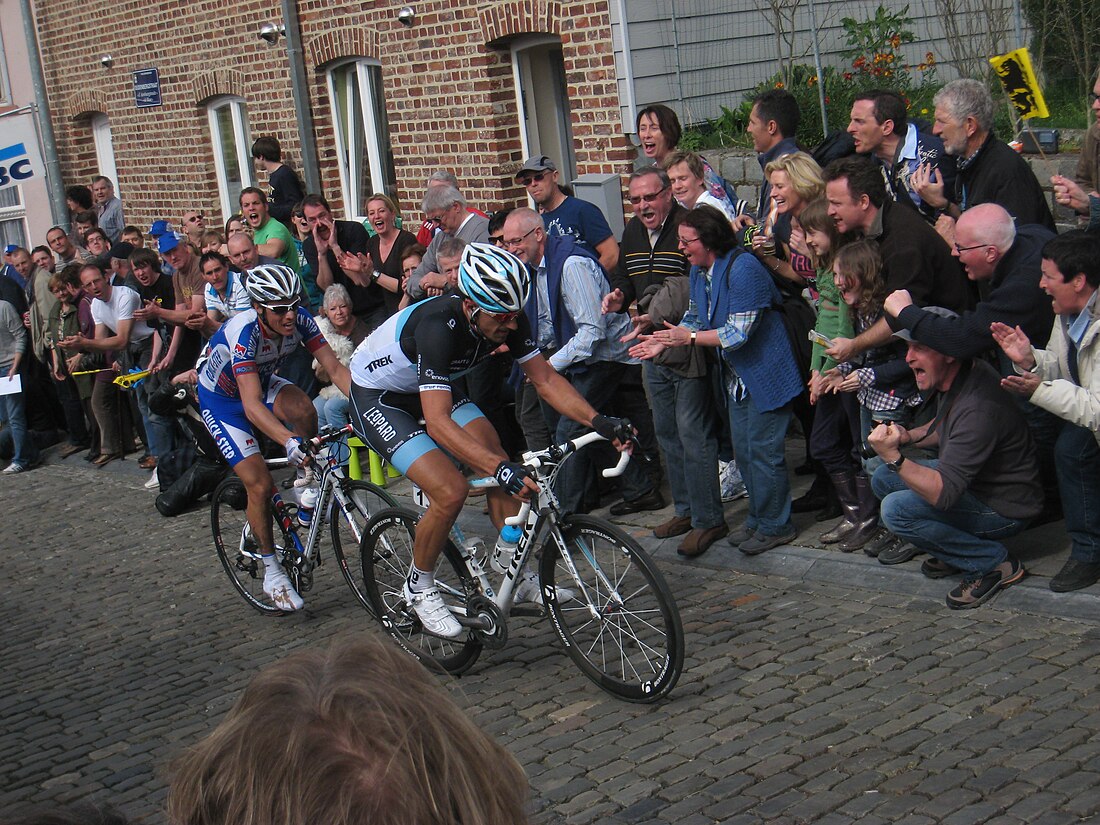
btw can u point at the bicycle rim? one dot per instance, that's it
(238, 551)
(621, 627)
(387, 553)
(346, 529)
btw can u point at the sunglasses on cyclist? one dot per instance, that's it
(283, 309)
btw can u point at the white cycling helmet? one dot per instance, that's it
(271, 284)
(495, 280)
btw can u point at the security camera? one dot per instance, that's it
(269, 33)
(107, 61)
(406, 16)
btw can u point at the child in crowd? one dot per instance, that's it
(836, 428)
(880, 378)
(212, 241)
(410, 260)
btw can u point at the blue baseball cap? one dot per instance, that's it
(160, 228)
(168, 242)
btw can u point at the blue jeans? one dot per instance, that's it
(333, 412)
(14, 417)
(964, 536)
(159, 430)
(686, 426)
(1077, 460)
(758, 443)
(597, 384)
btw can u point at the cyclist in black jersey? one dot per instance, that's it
(403, 372)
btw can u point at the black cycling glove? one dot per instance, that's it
(510, 477)
(613, 429)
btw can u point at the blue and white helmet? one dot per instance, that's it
(271, 284)
(494, 279)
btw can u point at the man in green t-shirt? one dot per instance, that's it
(272, 238)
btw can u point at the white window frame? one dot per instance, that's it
(239, 112)
(6, 98)
(350, 169)
(520, 49)
(18, 212)
(105, 149)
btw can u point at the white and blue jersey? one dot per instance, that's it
(235, 301)
(242, 347)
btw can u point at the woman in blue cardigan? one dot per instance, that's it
(733, 307)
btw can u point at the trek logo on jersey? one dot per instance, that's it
(378, 363)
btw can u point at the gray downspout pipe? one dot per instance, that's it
(311, 173)
(59, 210)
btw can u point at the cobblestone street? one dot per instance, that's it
(817, 687)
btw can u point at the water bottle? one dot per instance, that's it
(505, 549)
(307, 500)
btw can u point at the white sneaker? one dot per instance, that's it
(278, 588)
(528, 590)
(433, 612)
(152, 483)
(733, 487)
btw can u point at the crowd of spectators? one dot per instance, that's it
(946, 398)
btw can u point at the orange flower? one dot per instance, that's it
(930, 58)
(779, 84)
(847, 75)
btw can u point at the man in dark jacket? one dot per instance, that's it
(989, 170)
(684, 413)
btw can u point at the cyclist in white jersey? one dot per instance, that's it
(239, 393)
(403, 373)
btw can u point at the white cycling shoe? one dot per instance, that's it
(528, 590)
(278, 588)
(433, 612)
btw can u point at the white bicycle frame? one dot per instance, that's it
(533, 520)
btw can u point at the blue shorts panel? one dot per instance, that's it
(229, 426)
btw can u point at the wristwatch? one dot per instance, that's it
(896, 465)
(693, 333)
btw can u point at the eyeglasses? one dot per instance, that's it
(283, 309)
(961, 249)
(686, 241)
(195, 218)
(514, 242)
(527, 180)
(1093, 97)
(503, 317)
(648, 198)
(496, 240)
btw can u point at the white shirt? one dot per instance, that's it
(120, 307)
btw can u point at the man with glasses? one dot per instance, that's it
(327, 244)
(1006, 261)
(582, 343)
(193, 225)
(240, 394)
(564, 214)
(445, 207)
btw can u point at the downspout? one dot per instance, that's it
(628, 67)
(300, 88)
(59, 210)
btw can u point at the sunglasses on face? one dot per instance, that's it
(195, 218)
(283, 309)
(503, 317)
(648, 198)
(535, 178)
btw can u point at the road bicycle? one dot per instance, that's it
(621, 625)
(344, 506)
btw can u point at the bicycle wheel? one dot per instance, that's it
(346, 528)
(237, 549)
(622, 627)
(387, 553)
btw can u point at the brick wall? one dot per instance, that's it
(448, 88)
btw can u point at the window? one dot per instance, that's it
(543, 103)
(5, 87)
(232, 150)
(105, 149)
(13, 217)
(362, 134)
